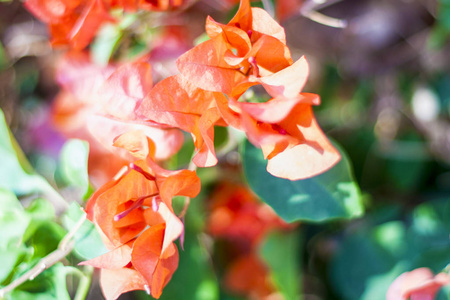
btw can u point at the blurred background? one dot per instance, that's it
(382, 69)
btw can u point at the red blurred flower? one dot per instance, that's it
(75, 22)
(236, 214)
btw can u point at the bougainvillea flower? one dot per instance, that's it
(101, 102)
(131, 198)
(178, 103)
(419, 284)
(121, 210)
(135, 217)
(149, 260)
(236, 214)
(242, 53)
(287, 132)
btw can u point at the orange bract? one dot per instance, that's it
(134, 214)
(100, 103)
(251, 49)
(178, 103)
(240, 54)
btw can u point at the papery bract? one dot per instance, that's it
(99, 103)
(178, 103)
(240, 54)
(134, 214)
(287, 132)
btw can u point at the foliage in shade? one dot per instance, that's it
(331, 195)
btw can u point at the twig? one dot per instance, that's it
(84, 284)
(309, 10)
(64, 248)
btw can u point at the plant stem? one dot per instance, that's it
(309, 10)
(84, 284)
(64, 248)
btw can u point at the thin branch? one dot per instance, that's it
(325, 20)
(310, 10)
(64, 248)
(84, 284)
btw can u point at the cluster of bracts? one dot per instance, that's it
(118, 107)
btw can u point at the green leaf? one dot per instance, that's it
(331, 195)
(41, 209)
(281, 252)
(49, 285)
(13, 220)
(3, 56)
(358, 260)
(9, 258)
(74, 164)
(106, 43)
(88, 243)
(17, 175)
(45, 239)
(369, 259)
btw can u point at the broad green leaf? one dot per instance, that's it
(369, 259)
(45, 238)
(17, 175)
(9, 258)
(106, 43)
(40, 211)
(74, 164)
(358, 260)
(331, 195)
(13, 220)
(88, 243)
(281, 253)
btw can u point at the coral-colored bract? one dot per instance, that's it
(134, 214)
